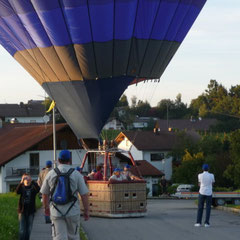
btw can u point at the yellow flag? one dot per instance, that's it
(51, 106)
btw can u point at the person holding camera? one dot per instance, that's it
(28, 190)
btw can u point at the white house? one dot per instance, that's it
(152, 147)
(113, 124)
(32, 112)
(25, 148)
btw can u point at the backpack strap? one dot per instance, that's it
(69, 172)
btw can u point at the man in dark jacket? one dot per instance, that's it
(28, 190)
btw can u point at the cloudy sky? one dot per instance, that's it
(211, 50)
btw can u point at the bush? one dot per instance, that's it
(172, 189)
(222, 189)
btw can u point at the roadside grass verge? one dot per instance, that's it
(232, 206)
(9, 216)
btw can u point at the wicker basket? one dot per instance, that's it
(120, 199)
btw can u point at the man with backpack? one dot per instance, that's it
(62, 185)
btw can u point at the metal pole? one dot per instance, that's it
(105, 167)
(167, 118)
(54, 140)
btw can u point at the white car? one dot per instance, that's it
(184, 188)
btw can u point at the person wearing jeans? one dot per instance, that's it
(25, 225)
(28, 190)
(206, 181)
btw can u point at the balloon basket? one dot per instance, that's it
(118, 199)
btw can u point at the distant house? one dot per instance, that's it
(152, 147)
(113, 123)
(142, 122)
(200, 124)
(32, 112)
(26, 148)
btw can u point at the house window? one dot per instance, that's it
(157, 156)
(34, 160)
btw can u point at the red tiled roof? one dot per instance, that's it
(146, 169)
(17, 138)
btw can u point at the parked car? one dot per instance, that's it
(185, 188)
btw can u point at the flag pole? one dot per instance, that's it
(54, 139)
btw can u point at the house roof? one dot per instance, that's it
(150, 141)
(186, 124)
(146, 169)
(17, 138)
(31, 109)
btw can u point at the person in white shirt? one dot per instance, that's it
(206, 181)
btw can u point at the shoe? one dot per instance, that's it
(206, 225)
(197, 225)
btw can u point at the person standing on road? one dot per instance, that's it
(163, 184)
(65, 218)
(40, 180)
(28, 190)
(206, 181)
(44, 172)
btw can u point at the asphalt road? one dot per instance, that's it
(166, 220)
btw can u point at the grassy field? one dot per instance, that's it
(9, 216)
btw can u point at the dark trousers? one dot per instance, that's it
(25, 226)
(201, 200)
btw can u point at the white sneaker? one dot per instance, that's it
(206, 225)
(197, 225)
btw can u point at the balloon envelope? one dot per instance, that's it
(85, 53)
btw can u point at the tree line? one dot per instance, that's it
(215, 102)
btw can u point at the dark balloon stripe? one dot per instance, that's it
(91, 102)
(111, 59)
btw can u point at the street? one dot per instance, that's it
(166, 220)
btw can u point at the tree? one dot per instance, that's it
(233, 170)
(123, 102)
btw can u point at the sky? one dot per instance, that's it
(211, 50)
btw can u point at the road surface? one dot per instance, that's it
(166, 220)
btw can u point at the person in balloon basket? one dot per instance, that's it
(127, 175)
(65, 217)
(41, 178)
(28, 190)
(98, 175)
(206, 181)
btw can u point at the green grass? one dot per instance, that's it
(233, 206)
(83, 235)
(9, 216)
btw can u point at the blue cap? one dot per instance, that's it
(49, 163)
(117, 170)
(205, 167)
(65, 155)
(127, 166)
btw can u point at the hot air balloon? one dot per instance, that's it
(85, 53)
